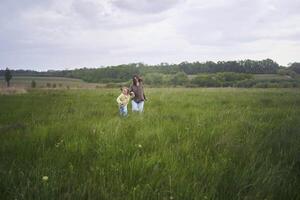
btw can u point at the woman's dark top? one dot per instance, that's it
(138, 93)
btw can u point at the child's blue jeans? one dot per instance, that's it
(123, 110)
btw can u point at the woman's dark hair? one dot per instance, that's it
(134, 79)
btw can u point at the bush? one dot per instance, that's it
(179, 78)
(232, 77)
(295, 67)
(113, 85)
(54, 85)
(246, 83)
(206, 81)
(286, 85)
(273, 85)
(191, 85)
(48, 85)
(154, 79)
(227, 84)
(287, 72)
(33, 84)
(261, 85)
(224, 79)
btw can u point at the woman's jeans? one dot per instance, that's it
(137, 107)
(123, 110)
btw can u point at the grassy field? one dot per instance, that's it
(42, 81)
(188, 144)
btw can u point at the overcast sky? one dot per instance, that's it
(66, 34)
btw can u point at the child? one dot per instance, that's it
(123, 100)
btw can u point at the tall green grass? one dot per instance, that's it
(188, 144)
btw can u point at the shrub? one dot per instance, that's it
(273, 85)
(227, 84)
(113, 85)
(206, 81)
(179, 78)
(287, 72)
(261, 85)
(232, 77)
(246, 83)
(154, 79)
(224, 79)
(286, 85)
(54, 85)
(48, 85)
(33, 84)
(295, 67)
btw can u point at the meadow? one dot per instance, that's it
(48, 82)
(189, 144)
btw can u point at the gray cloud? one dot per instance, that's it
(146, 6)
(73, 33)
(237, 22)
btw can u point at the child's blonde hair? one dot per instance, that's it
(125, 88)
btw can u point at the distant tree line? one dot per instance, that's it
(219, 79)
(21, 72)
(122, 73)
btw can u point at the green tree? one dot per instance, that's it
(154, 79)
(7, 76)
(180, 78)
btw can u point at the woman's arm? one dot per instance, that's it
(132, 95)
(144, 96)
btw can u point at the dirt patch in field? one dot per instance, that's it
(12, 90)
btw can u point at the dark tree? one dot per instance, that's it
(295, 67)
(33, 84)
(7, 76)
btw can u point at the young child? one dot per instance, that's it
(123, 100)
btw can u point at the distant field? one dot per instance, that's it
(259, 77)
(271, 77)
(41, 82)
(189, 144)
(62, 82)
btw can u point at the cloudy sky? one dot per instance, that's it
(56, 34)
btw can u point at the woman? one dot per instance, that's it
(137, 91)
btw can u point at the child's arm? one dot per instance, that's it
(119, 100)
